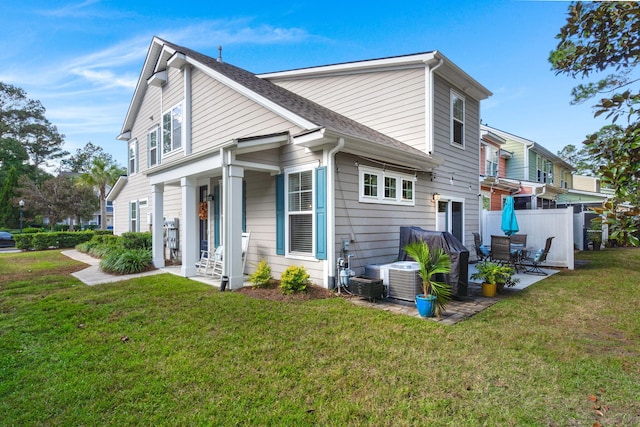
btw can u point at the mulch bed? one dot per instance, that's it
(273, 293)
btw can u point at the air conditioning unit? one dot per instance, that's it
(404, 280)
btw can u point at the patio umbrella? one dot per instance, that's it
(509, 220)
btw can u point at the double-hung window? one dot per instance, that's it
(153, 151)
(491, 161)
(134, 216)
(172, 129)
(457, 119)
(382, 186)
(299, 211)
(132, 163)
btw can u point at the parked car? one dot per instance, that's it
(6, 240)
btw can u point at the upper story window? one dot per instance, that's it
(457, 119)
(153, 151)
(132, 163)
(299, 185)
(172, 129)
(545, 170)
(564, 179)
(491, 160)
(381, 186)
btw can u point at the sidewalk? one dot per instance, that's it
(92, 275)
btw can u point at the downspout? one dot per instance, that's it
(331, 212)
(429, 120)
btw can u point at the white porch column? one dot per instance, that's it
(232, 195)
(188, 229)
(157, 218)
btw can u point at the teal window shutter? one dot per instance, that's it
(216, 216)
(244, 206)
(321, 212)
(280, 214)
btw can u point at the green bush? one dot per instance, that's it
(42, 241)
(105, 239)
(24, 241)
(294, 279)
(136, 240)
(262, 276)
(32, 230)
(103, 232)
(126, 261)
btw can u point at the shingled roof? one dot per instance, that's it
(315, 113)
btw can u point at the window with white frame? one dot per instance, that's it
(383, 186)
(172, 129)
(564, 179)
(457, 119)
(153, 152)
(134, 215)
(133, 157)
(299, 211)
(544, 170)
(491, 160)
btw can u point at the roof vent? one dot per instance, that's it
(219, 53)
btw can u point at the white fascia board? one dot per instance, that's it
(141, 86)
(372, 65)
(117, 187)
(259, 99)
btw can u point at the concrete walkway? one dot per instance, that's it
(456, 310)
(92, 275)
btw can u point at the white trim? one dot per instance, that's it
(309, 167)
(380, 198)
(453, 93)
(182, 129)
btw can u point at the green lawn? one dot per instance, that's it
(164, 350)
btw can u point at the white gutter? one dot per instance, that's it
(430, 134)
(330, 265)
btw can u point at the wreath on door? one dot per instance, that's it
(203, 211)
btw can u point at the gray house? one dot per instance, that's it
(307, 160)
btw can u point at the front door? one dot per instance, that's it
(203, 214)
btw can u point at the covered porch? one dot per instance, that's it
(221, 171)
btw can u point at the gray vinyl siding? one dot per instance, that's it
(391, 102)
(375, 227)
(463, 164)
(221, 114)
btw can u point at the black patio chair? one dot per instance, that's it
(482, 252)
(501, 250)
(538, 258)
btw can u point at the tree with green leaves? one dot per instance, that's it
(102, 174)
(580, 159)
(9, 211)
(60, 198)
(24, 129)
(601, 41)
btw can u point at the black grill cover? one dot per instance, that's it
(458, 279)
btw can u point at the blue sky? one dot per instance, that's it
(82, 58)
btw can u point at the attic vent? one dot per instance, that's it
(219, 53)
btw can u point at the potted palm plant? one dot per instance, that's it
(435, 295)
(493, 275)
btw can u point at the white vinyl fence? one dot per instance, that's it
(538, 225)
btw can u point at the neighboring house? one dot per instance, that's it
(311, 161)
(494, 185)
(541, 175)
(586, 193)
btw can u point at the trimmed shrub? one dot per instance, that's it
(262, 276)
(103, 232)
(136, 240)
(32, 230)
(126, 261)
(24, 241)
(42, 241)
(294, 279)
